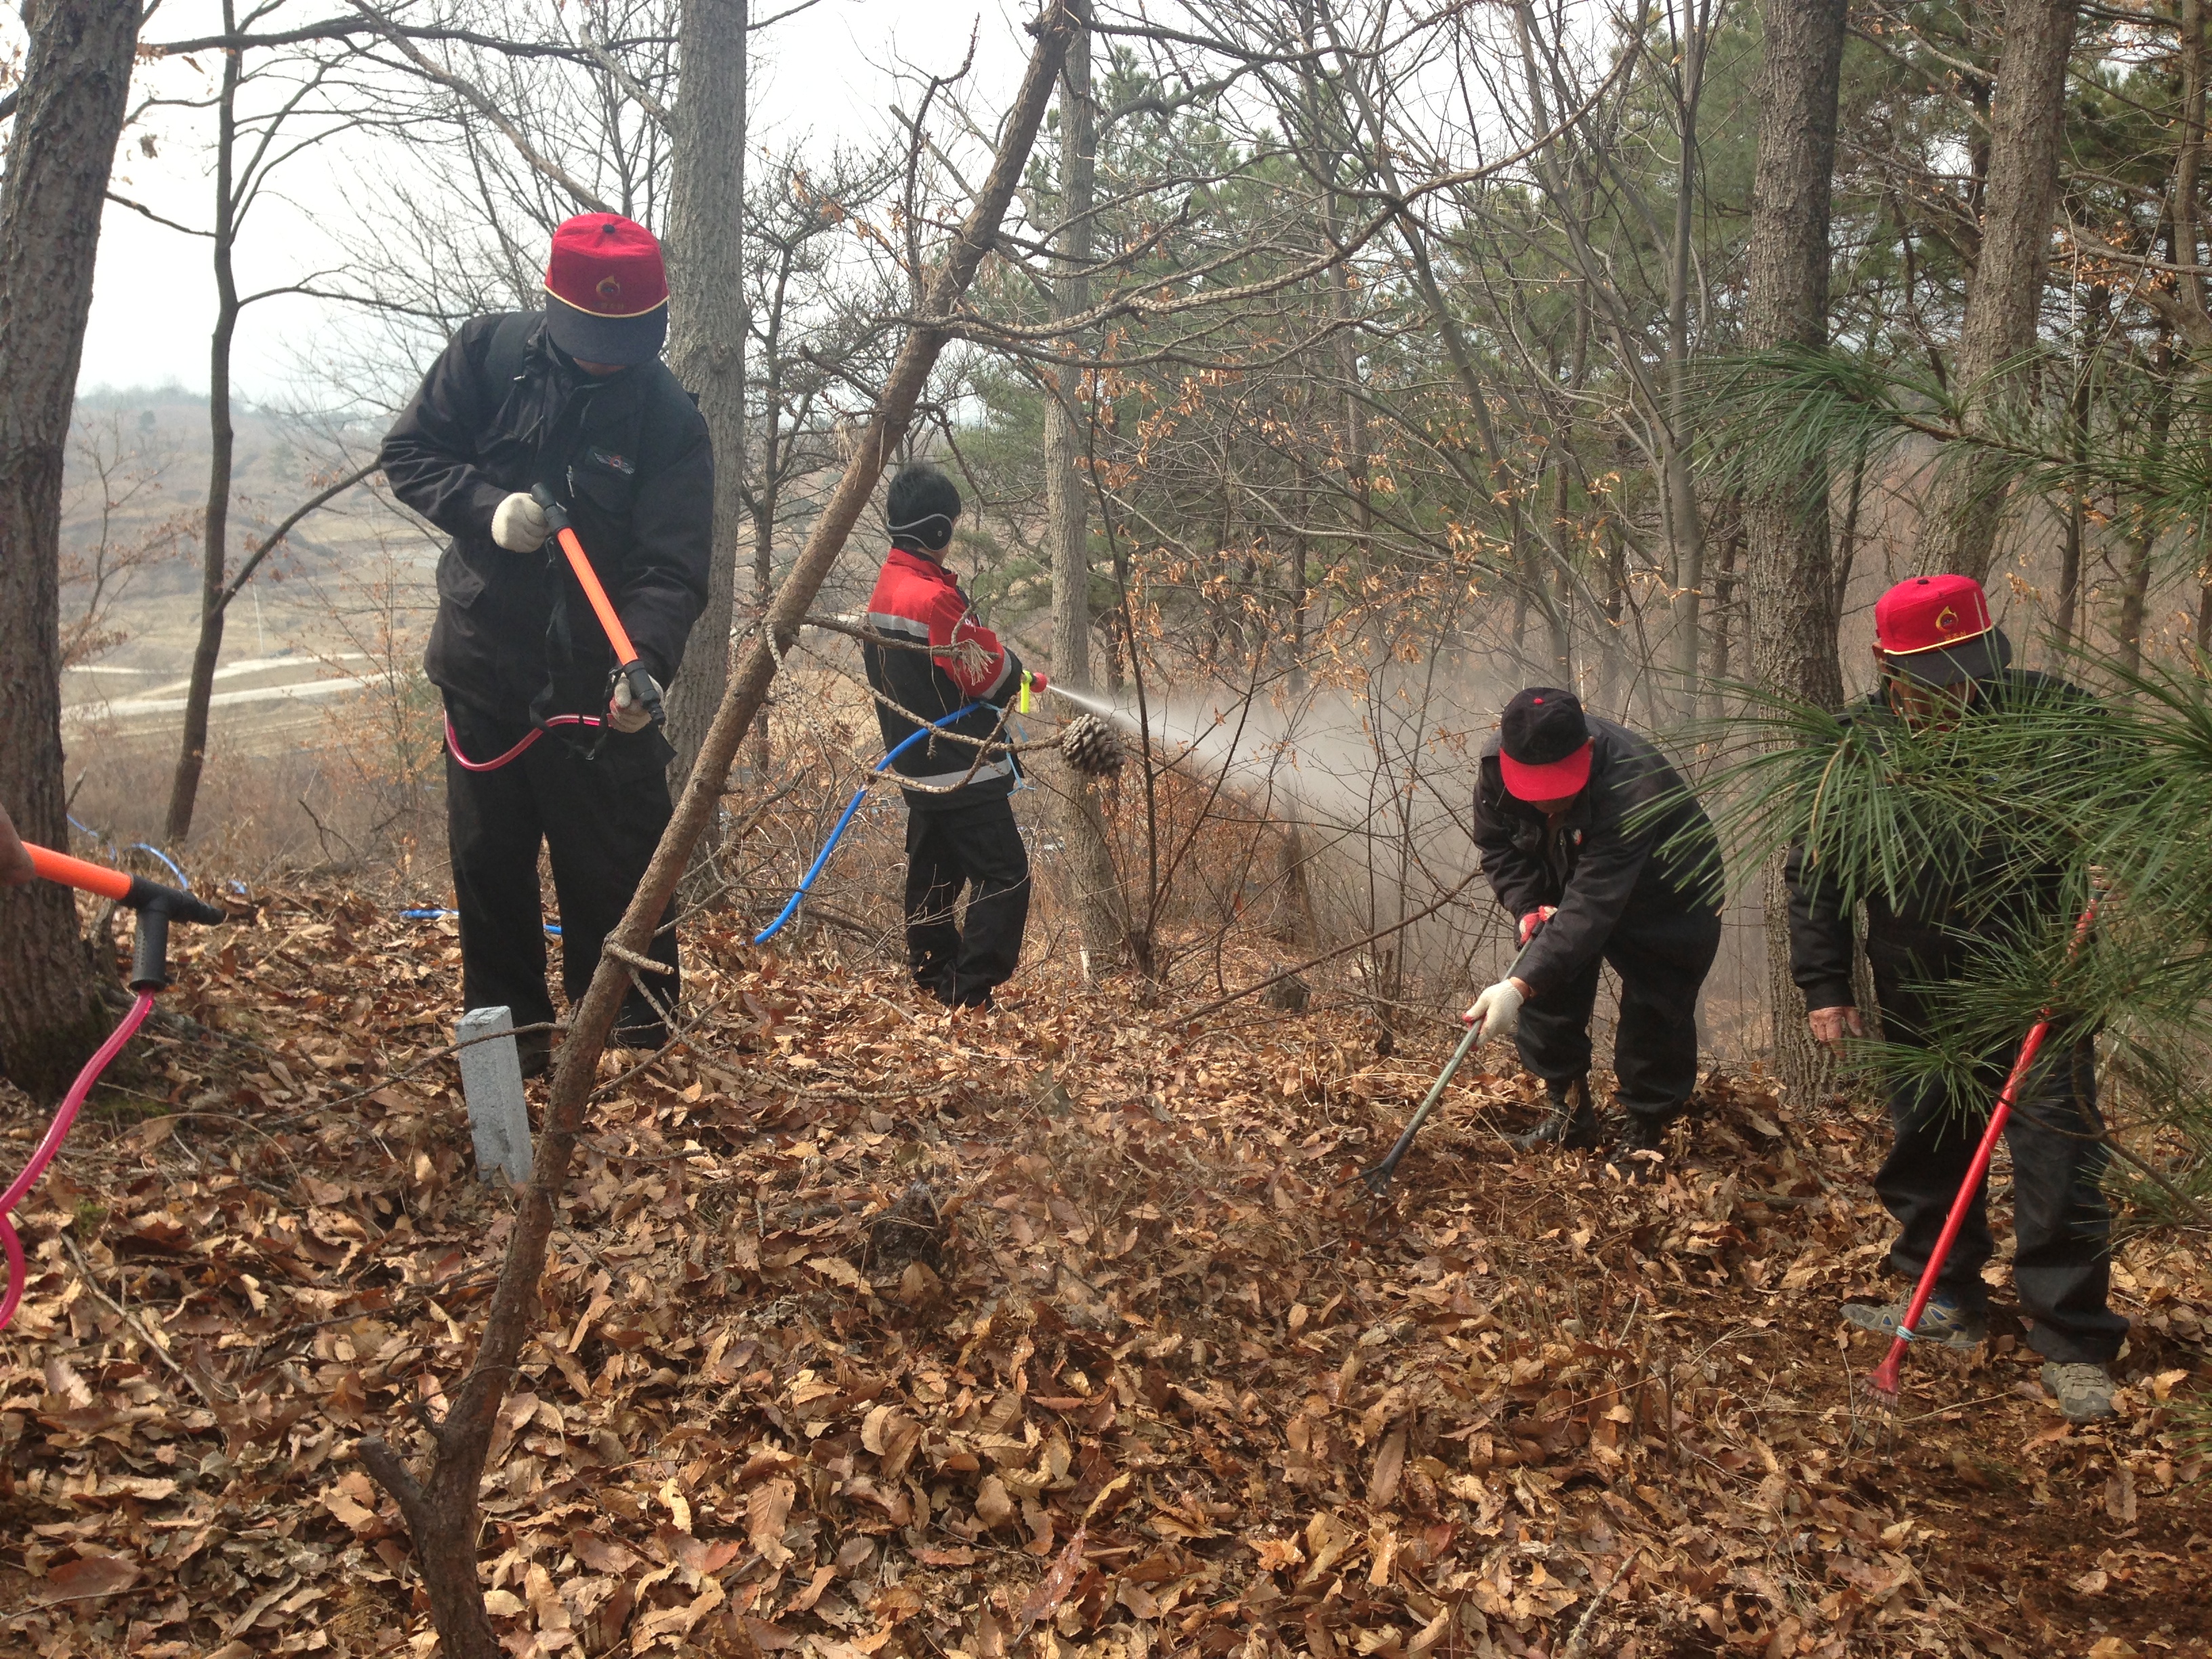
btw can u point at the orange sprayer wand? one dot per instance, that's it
(627, 665)
(1883, 1383)
(157, 906)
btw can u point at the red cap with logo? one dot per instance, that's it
(1937, 630)
(607, 290)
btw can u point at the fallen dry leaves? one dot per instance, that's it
(874, 1331)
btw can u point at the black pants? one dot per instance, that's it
(1662, 964)
(600, 818)
(973, 845)
(2061, 1224)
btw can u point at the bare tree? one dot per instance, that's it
(1788, 577)
(708, 327)
(1067, 503)
(248, 147)
(77, 83)
(2027, 122)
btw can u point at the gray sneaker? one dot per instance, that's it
(2084, 1392)
(1942, 1320)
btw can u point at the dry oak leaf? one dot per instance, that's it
(86, 1579)
(994, 1508)
(767, 1508)
(1278, 1554)
(1051, 1589)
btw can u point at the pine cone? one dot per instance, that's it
(1090, 746)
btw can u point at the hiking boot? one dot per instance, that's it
(535, 1050)
(1572, 1122)
(1944, 1320)
(2084, 1392)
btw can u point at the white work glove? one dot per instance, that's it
(627, 713)
(1535, 919)
(519, 525)
(1498, 1010)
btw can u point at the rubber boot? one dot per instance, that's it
(1646, 1133)
(1572, 1122)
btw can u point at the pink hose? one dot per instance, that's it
(56, 1132)
(454, 743)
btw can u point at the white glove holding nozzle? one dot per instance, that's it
(519, 525)
(1498, 1010)
(626, 712)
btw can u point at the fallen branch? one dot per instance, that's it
(441, 1508)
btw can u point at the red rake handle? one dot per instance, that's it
(1884, 1378)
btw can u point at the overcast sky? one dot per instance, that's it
(822, 76)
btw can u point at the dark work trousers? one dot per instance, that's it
(600, 818)
(2061, 1224)
(975, 845)
(1662, 964)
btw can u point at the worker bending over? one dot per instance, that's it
(573, 397)
(1943, 662)
(931, 659)
(1590, 839)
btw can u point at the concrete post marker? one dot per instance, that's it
(491, 1082)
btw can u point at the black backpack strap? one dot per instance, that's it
(503, 358)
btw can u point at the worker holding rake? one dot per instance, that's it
(1592, 841)
(1944, 667)
(574, 477)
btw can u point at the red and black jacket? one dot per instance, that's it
(917, 601)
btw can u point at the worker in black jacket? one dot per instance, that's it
(1591, 840)
(1942, 661)
(930, 659)
(541, 745)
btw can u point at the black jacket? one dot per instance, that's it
(1928, 933)
(628, 455)
(949, 660)
(1635, 847)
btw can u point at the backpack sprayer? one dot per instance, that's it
(157, 906)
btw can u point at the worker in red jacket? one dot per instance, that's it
(930, 659)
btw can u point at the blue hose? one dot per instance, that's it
(846, 818)
(138, 847)
(432, 915)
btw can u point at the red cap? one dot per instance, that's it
(1545, 748)
(1938, 630)
(606, 289)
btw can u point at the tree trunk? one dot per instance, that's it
(1788, 580)
(707, 331)
(441, 1508)
(1684, 518)
(75, 88)
(2134, 581)
(1067, 486)
(215, 532)
(1959, 523)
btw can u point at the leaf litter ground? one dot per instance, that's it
(875, 1331)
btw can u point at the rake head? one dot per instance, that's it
(1883, 1384)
